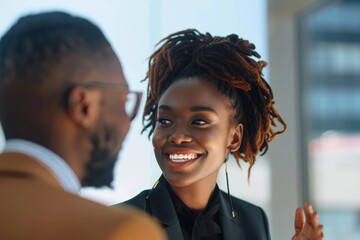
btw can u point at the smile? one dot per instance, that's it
(179, 158)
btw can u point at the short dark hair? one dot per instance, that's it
(37, 42)
(228, 62)
(42, 56)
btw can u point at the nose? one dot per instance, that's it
(179, 136)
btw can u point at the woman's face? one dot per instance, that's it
(194, 132)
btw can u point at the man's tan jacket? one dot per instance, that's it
(34, 206)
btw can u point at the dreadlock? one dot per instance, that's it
(228, 63)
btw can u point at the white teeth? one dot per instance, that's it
(182, 157)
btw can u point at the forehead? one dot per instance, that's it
(194, 91)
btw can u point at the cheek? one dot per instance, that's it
(216, 141)
(158, 140)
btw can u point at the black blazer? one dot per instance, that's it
(249, 223)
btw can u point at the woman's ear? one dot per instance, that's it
(236, 138)
(83, 106)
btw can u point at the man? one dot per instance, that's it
(65, 109)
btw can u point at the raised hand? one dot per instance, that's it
(307, 225)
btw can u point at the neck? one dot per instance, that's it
(71, 147)
(197, 195)
(74, 154)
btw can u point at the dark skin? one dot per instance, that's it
(68, 131)
(307, 224)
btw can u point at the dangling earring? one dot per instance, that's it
(228, 188)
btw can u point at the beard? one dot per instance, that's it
(100, 167)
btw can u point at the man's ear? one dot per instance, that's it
(236, 138)
(83, 106)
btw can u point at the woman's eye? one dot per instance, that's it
(200, 122)
(163, 121)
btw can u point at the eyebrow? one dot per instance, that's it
(193, 109)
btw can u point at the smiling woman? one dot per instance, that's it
(207, 99)
(193, 136)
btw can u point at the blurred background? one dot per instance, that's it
(313, 51)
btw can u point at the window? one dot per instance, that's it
(329, 42)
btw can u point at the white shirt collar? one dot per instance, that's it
(55, 163)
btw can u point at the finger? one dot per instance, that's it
(309, 213)
(318, 232)
(317, 228)
(315, 219)
(299, 221)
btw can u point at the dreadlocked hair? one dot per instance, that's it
(228, 63)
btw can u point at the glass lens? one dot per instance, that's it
(130, 104)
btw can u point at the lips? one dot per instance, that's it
(180, 160)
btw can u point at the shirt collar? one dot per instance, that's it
(198, 224)
(210, 210)
(54, 162)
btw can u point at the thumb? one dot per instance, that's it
(299, 221)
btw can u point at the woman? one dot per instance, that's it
(207, 99)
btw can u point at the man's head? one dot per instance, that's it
(55, 73)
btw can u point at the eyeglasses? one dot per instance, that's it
(133, 97)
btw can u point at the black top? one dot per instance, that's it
(198, 225)
(249, 222)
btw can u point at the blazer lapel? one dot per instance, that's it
(230, 226)
(161, 207)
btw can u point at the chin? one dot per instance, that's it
(100, 173)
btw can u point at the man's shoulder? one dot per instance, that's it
(122, 222)
(52, 213)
